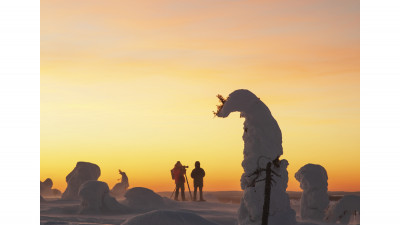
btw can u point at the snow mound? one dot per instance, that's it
(262, 144)
(314, 199)
(82, 172)
(143, 199)
(95, 198)
(46, 188)
(168, 217)
(344, 209)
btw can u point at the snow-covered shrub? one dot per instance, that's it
(314, 199)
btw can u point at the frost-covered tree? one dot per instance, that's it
(262, 144)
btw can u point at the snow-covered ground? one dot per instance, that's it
(220, 208)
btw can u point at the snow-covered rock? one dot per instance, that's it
(143, 199)
(314, 199)
(168, 217)
(344, 209)
(95, 198)
(82, 172)
(262, 144)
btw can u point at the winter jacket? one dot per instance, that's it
(178, 173)
(198, 174)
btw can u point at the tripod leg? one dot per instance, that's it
(187, 182)
(173, 193)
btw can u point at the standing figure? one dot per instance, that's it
(197, 175)
(178, 173)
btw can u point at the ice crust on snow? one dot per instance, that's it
(168, 217)
(82, 172)
(344, 209)
(262, 144)
(314, 199)
(95, 198)
(143, 199)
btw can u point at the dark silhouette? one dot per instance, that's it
(120, 188)
(82, 172)
(178, 173)
(197, 175)
(124, 179)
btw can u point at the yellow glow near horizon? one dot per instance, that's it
(132, 86)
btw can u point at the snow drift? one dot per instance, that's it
(314, 199)
(344, 209)
(168, 217)
(95, 198)
(143, 199)
(46, 188)
(82, 172)
(262, 144)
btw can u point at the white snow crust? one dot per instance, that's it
(262, 144)
(168, 217)
(143, 199)
(314, 199)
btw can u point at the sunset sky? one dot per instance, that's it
(131, 85)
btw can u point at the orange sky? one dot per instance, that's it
(131, 85)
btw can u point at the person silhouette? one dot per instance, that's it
(197, 175)
(178, 173)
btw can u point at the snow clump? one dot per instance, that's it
(82, 172)
(314, 199)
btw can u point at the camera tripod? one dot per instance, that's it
(187, 182)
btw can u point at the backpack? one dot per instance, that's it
(172, 174)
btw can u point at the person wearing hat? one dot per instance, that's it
(197, 175)
(178, 173)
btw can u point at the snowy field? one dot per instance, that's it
(220, 208)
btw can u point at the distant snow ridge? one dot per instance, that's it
(315, 199)
(262, 144)
(82, 172)
(95, 198)
(168, 217)
(143, 199)
(344, 209)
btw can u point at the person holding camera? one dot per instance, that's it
(178, 173)
(197, 175)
